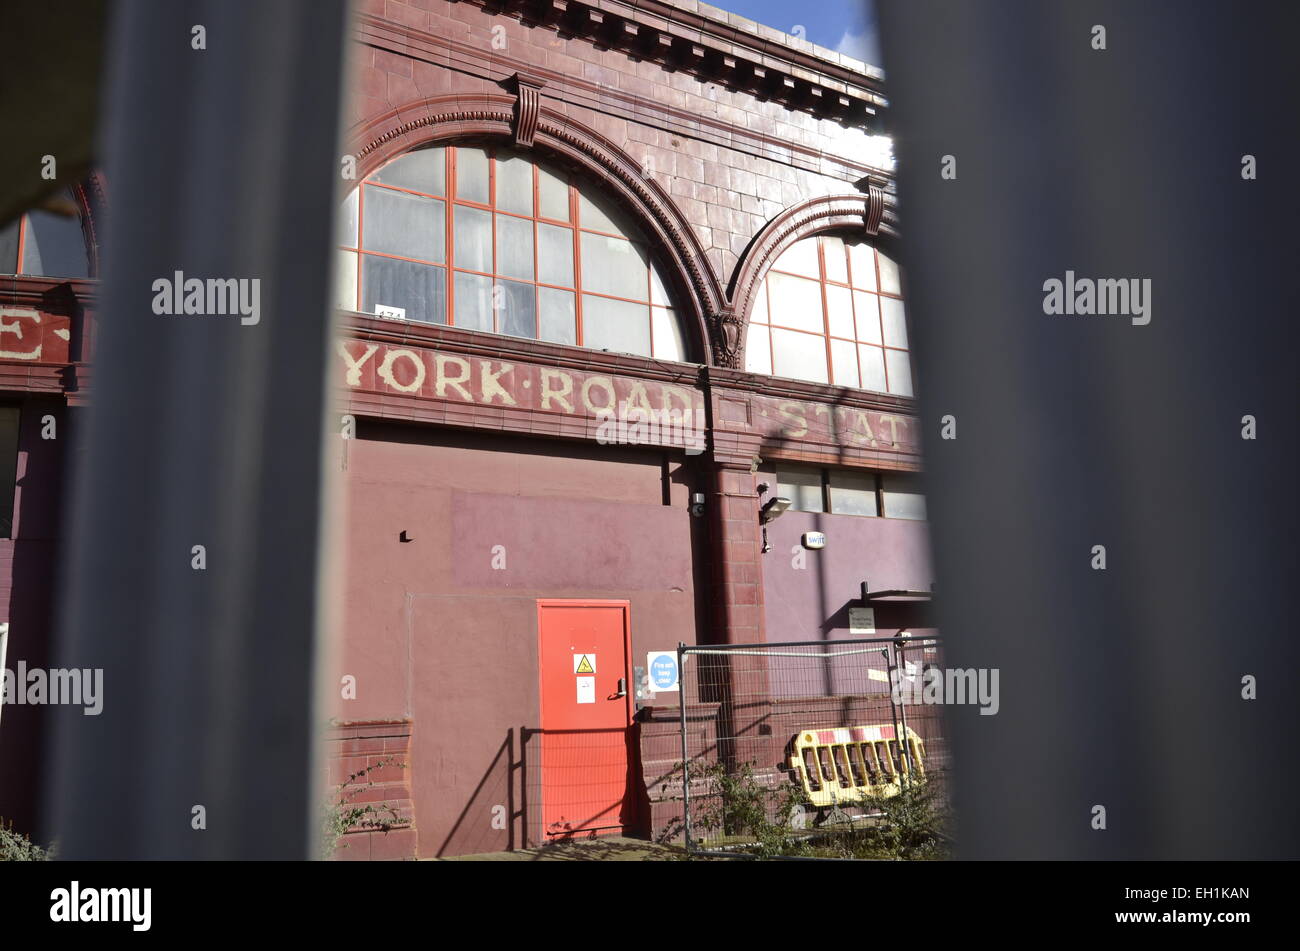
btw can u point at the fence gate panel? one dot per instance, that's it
(796, 748)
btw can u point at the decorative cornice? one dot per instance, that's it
(449, 113)
(47, 378)
(567, 88)
(53, 294)
(762, 62)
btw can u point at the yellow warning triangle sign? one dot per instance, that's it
(584, 666)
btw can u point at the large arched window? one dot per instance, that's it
(830, 310)
(493, 241)
(45, 244)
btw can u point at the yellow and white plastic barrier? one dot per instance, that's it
(846, 764)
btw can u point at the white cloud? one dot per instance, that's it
(863, 46)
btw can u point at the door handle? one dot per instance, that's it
(622, 688)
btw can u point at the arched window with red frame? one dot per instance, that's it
(491, 240)
(830, 310)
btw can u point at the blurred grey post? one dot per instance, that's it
(1110, 141)
(192, 571)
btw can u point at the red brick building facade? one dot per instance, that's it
(562, 220)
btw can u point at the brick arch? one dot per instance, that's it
(91, 196)
(491, 117)
(853, 213)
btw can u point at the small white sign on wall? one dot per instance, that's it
(862, 620)
(586, 689)
(662, 666)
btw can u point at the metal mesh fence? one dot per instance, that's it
(576, 784)
(803, 748)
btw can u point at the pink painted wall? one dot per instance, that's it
(434, 633)
(811, 603)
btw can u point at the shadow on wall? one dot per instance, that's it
(490, 814)
(504, 812)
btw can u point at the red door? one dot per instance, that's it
(584, 649)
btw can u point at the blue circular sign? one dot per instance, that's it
(663, 672)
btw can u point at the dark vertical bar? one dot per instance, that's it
(205, 431)
(1119, 163)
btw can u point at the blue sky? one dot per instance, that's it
(846, 26)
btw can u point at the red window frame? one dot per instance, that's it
(451, 200)
(824, 281)
(24, 225)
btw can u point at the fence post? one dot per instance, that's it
(900, 653)
(892, 667)
(681, 705)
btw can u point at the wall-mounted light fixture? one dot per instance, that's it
(772, 509)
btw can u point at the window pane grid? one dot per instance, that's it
(840, 282)
(867, 493)
(518, 273)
